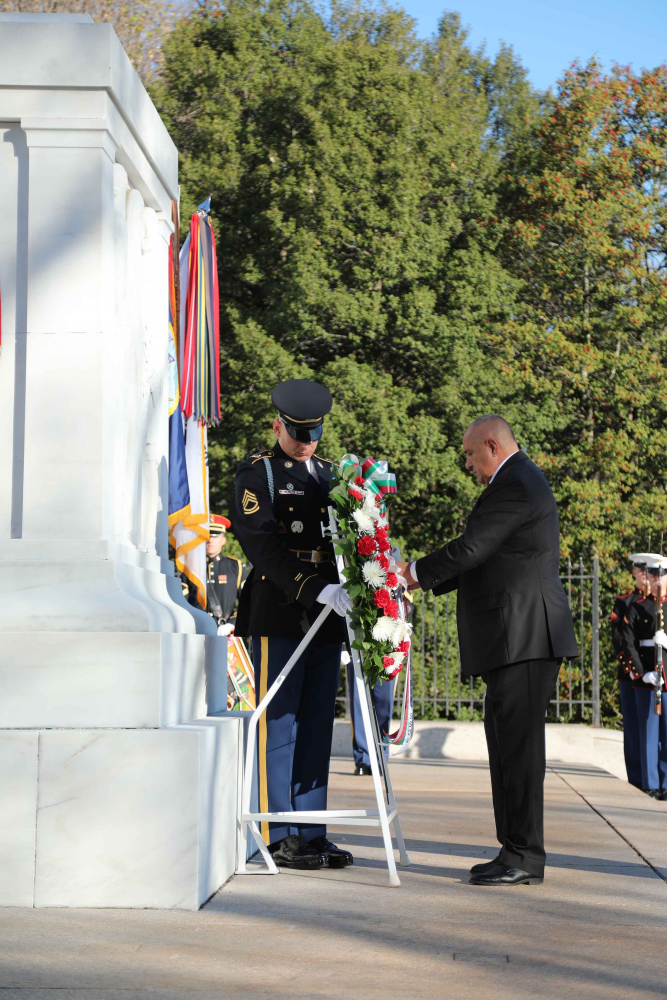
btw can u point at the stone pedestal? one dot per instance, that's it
(117, 787)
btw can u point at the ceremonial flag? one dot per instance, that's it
(179, 491)
(197, 347)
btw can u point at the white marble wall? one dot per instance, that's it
(120, 791)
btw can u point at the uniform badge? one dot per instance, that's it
(292, 492)
(222, 578)
(249, 503)
(288, 465)
(290, 486)
(297, 527)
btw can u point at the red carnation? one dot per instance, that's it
(403, 647)
(359, 481)
(382, 542)
(365, 546)
(390, 676)
(387, 662)
(392, 580)
(391, 609)
(384, 562)
(382, 598)
(356, 494)
(381, 529)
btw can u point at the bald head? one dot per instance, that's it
(487, 442)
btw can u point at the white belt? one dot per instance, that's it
(647, 642)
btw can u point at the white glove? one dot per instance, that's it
(650, 678)
(335, 595)
(660, 639)
(225, 629)
(345, 658)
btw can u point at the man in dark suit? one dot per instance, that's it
(514, 627)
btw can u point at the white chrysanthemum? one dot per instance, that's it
(373, 574)
(370, 506)
(381, 521)
(398, 659)
(365, 522)
(383, 630)
(401, 632)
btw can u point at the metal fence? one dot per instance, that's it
(440, 692)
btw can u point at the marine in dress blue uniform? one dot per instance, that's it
(280, 509)
(639, 632)
(631, 743)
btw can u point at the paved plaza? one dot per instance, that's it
(595, 928)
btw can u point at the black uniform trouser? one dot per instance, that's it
(517, 699)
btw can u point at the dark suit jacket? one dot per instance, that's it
(511, 604)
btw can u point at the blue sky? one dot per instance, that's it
(548, 36)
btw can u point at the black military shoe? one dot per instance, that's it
(485, 866)
(335, 857)
(653, 793)
(362, 769)
(294, 852)
(505, 875)
(662, 795)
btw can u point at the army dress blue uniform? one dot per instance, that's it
(631, 743)
(280, 509)
(638, 632)
(382, 698)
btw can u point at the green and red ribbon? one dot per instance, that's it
(375, 473)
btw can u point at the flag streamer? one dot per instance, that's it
(194, 402)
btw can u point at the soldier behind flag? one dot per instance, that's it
(225, 576)
(640, 638)
(627, 692)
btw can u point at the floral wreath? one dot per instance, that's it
(382, 635)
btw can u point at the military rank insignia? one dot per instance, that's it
(297, 527)
(249, 503)
(222, 578)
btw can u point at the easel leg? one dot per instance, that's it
(371, 740)
(404, 860)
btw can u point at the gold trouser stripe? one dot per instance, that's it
(261, 754)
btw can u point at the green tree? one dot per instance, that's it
(353, 172)
(584, 353)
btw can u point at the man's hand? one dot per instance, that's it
(660, 639)
(335, 595)
(403, 572)
(650, 677)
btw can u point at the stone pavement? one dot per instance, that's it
(595, 928)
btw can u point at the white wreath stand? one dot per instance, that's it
(386, 812)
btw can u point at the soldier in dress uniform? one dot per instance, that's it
(639, 638)
(225, 577)
(280, 510)
(627, 691)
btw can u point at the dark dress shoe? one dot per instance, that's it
(362, 769)
(653, 793)
(505, 875)
(485, 866)
(334, 857)
(294, 852)
(663, 795)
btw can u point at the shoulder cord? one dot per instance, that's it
(269, 478)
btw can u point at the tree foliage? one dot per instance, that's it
(409, 223)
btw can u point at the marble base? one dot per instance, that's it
(109, 680)
(126, 818)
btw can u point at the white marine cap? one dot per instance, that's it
(656, 562)
(643, 558)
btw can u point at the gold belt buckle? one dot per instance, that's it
(315, 556)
